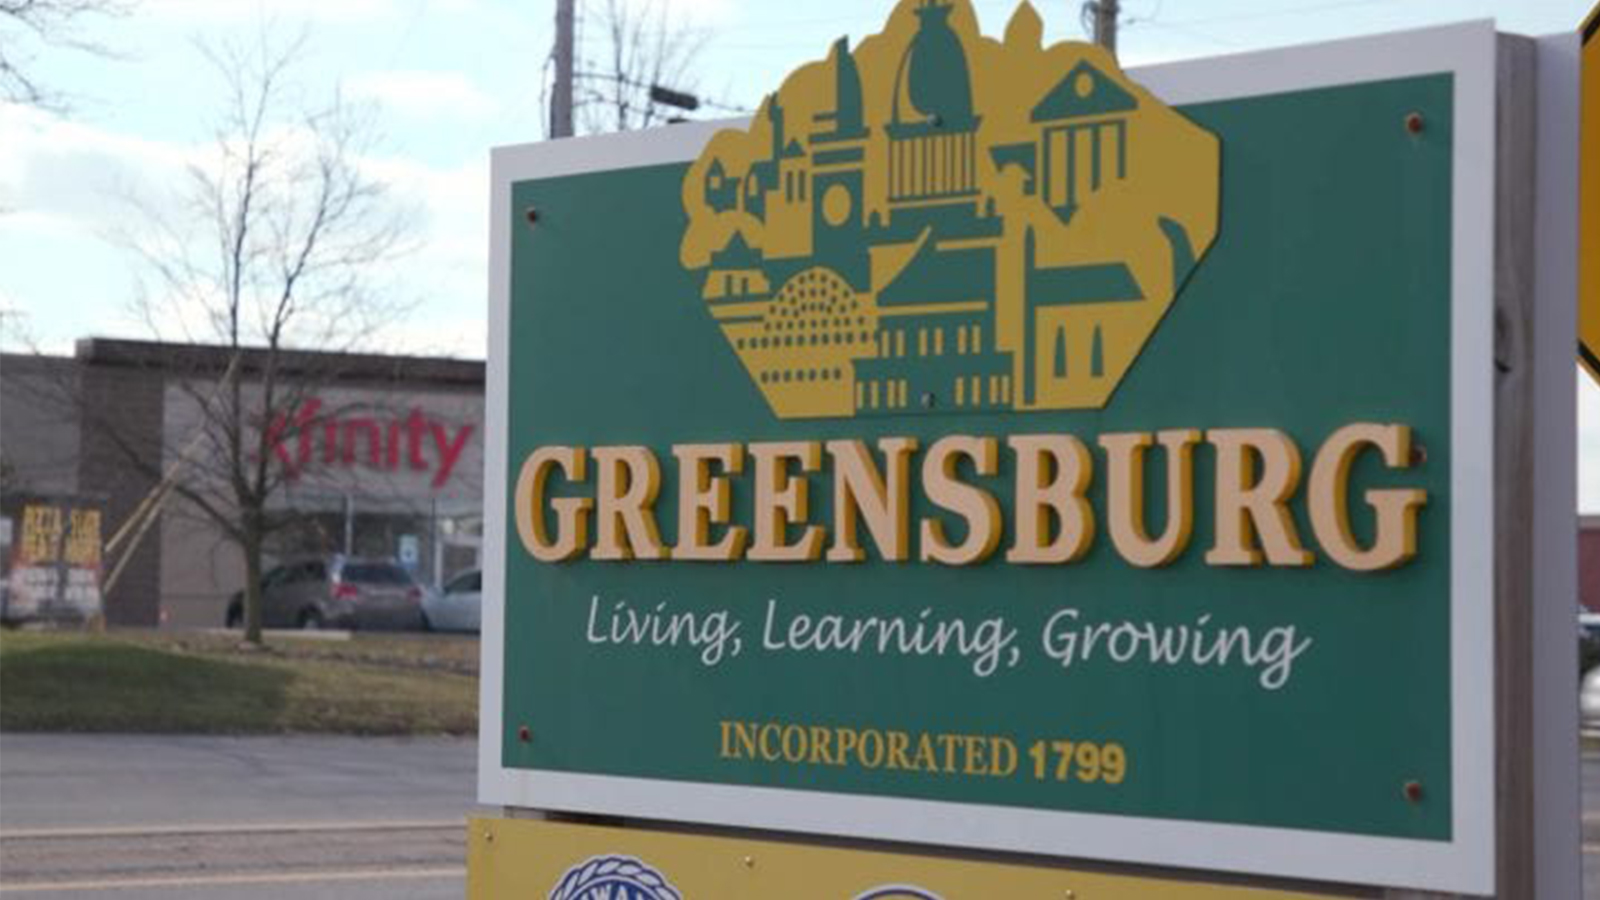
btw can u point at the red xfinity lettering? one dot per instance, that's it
(424, 443)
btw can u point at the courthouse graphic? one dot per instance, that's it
(942, 222)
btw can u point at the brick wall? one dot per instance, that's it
(1589, 562)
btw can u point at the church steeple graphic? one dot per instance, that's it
(846, 115)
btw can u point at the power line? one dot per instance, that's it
(1154, 14)
(1177, 28)
(700, 99)
(1275, 13)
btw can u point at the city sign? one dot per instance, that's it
(983, 446)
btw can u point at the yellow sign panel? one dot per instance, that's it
(936, 217)
(1589, 199)
(522, 858)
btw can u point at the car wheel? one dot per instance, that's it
(310, 620)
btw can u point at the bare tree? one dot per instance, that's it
(643, 46)
(272, 247)
(57, 23)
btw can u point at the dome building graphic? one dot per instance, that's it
(940, 222)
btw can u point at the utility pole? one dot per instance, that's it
(561, 99)
(1105, 22)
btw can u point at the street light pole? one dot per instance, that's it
(1105, 23)
(561, 96)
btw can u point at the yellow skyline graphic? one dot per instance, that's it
(939, 221)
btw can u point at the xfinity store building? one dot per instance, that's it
(372, 456)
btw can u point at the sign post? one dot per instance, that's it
(983, 448)
(1589, 197)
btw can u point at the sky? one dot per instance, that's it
(446, 80)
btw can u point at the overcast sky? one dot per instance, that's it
(447, 80)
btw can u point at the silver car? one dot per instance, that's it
(335, 592)
(458, 607)
(1589, 700)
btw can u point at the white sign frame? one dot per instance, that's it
(1465, 863)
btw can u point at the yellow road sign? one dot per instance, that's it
(525, 858)
(1589, 199)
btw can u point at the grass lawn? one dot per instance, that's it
(155, 682)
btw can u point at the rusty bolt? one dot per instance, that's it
(1419, 454)
(532, 215)
(1413, 791)
(1414, 122)
(523, 734)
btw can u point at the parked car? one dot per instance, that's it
(1589, 623)
(1588, 640)
(1589, 700)
(335, 592)
(458, 607)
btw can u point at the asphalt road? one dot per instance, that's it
(147, 817)
(234, 818)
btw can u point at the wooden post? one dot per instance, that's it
(1515, 133)
(1557, 837)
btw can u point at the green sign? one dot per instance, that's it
(975, 449)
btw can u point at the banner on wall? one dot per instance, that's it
(54, 568)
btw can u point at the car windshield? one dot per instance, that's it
(374, 573)
(467, 583)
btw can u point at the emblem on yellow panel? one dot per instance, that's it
(940, 221)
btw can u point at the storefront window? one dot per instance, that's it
(434, 546)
